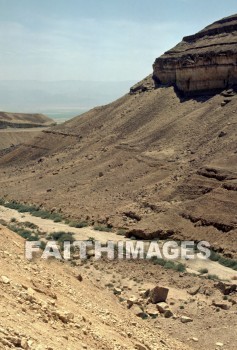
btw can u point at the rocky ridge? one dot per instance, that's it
(203, 62)
(24, 120)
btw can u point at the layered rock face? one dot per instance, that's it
(203, 62)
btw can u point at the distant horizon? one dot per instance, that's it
(69, 80)
(65, 40)
(76, 53)
(58, 99)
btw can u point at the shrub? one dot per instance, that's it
(228, 263)
(3, 222)
(42, 245)
(2, 201)
(57, 218)
(169, 265)
(213, 277)
(33, 237)
(26, 234)
(232, 264)
(61, 236)
(180, 267)
(203, 271)
(103, 228)
(43, 214)
(158, 261)
(78, 224)
(30, 225)
(121, 232)
(214, 256)
(22, 208)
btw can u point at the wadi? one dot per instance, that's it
(159, 164)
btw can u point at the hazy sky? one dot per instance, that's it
(97, 40)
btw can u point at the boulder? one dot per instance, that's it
(186, 319)
(158, 294)
(132, 300)
(152, 311)
(219, 344)
(221, 304)
(168, 313)
(90, 253)
(117, 291)
(79, 277)
(226, 288)
(194, 290)
(65, 317)
(162, 307)
(5, 280)
(137, 310)
(144, 293)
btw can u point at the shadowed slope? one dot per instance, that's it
(149, 162)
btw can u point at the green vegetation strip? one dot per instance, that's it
(231, 263)
(41, 213)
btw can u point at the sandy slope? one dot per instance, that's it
(29, 119)
(149, 162)
(46, 305)
(12, 136)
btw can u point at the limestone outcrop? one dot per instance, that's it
(203, 62)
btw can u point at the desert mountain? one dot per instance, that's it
(24, 120)
(17, 128)
(154, 162)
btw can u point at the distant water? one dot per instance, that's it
(62, 115)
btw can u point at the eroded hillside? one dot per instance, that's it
(150, 162)
(18, 128)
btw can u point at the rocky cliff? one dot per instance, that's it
(203, 62)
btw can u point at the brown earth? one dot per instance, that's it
(151, 162)
(43, 306)
(11, 137)
(50, 305)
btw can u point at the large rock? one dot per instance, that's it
(203, 62)
(137, 310)
(5, 280)
(158, 294)
(186, 319)
(226, 288)
(162, 307)
(221, 304)
(152, 311)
